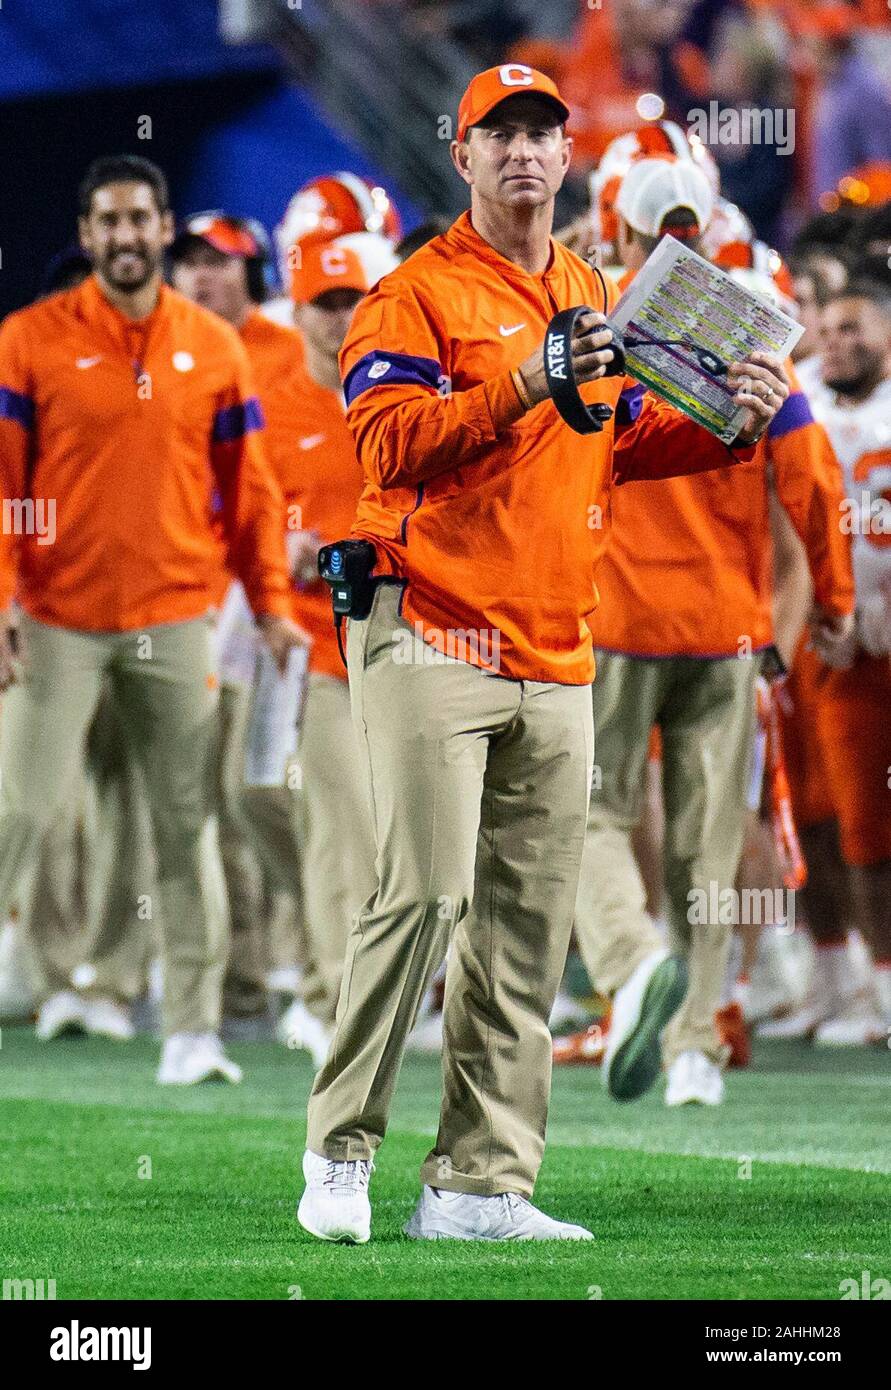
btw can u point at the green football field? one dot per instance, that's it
(116, 1188)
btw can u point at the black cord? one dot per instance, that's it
(599, 273)
(338, 623)
(708, 361)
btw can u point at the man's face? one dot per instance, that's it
(518, 157)
(325, 322)
(632, 254)
(214, 280)
(855, 342)
(125, 235)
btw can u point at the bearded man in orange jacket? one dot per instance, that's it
(123, 407)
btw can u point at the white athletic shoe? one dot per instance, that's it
(188, 1058)
(779, 979)
(803, 1023)
(641, 1009)
(860, 1028)
(335, 1204)
(61, 1016)
(18, 999)
(300, 1030)
(694, 1079)
(105, 1018)
(442, 1215)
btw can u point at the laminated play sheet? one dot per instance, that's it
(684, 322)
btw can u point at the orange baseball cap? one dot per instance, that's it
(325, 267)
(232, 236)
(488, 89)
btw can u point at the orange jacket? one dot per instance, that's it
(126, 428)
(312, 452)
(687, 571)
(484, 509)
(273, 351)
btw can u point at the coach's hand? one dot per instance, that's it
(761, 385)
(589, 361)
(303, 556)
(834, 637)
(10, 649)
(281, 635)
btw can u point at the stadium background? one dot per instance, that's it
(250, 98)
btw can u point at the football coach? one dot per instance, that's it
(470, 676)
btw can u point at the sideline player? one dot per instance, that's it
(666, 659)
(120, 404)
(316, 838)
(328, 208)
(477, 500)
(846, 700)
(219, 262)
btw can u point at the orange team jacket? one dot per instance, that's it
(272, 351)
(126, 429)
(484, 510)
(313, 455)
(688, 567)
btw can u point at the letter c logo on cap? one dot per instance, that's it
(333, 260)
(515, 75)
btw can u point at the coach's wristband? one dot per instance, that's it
(521, 389)
(560, 377)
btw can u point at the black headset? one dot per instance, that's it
(559, 374)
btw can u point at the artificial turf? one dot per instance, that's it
(783, 1192)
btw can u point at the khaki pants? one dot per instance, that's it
(705, 710)
(244, 989)
(317, 838)
(479, 790)
(88, 900)
(123, 931)
(51, 898)
(162, 683)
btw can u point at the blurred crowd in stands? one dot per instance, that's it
(617, 61)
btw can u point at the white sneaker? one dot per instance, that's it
(641, 1009)
(61, 1016)
(779, 980)
(105, 1018)
(188, 1058)
(442, 1215)
(300, 1030)
(335, 1204)
(694, 1079)
(803, 1023)
(863, 1028)
(18, 999)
